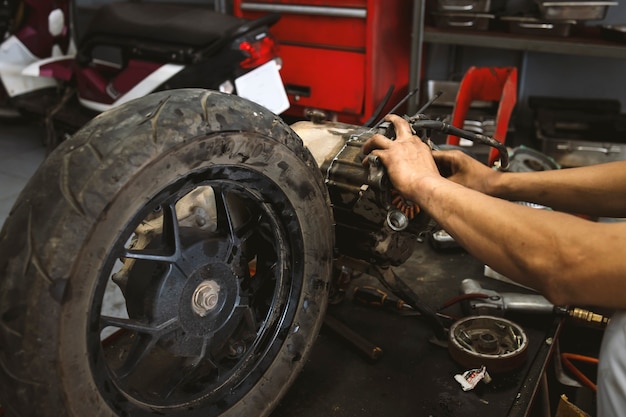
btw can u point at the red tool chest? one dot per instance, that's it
(340, 56)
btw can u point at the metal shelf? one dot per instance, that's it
(583, 46)
(589, 43)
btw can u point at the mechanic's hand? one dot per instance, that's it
(407, 159)
(461, 168)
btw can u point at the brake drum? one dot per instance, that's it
(497, 343)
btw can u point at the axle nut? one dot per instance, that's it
(205, 297)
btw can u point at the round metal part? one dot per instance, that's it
(525, 159)
(205, 297)
(397, 220)
(497, 343)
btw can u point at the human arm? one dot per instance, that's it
(596, 190)
(568, 259)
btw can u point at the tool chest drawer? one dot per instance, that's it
(316, 31)
(310, 85)
(345, 57)
(339, 27)
(328, 4)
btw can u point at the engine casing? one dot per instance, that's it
(366, 220)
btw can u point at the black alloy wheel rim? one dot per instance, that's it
(167, 356)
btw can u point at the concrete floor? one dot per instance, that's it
(21, 152)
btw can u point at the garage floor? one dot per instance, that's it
(21, 152)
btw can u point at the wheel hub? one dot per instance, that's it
(207, 301)
(205, 297)
(201, 291)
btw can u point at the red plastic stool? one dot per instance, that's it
(487, 84)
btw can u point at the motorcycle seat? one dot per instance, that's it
(163, 28)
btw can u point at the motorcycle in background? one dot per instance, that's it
(127, 51)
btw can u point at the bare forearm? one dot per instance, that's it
(557, 254)
(568, 259)
(598, 190)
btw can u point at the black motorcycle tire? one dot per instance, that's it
(63, 236)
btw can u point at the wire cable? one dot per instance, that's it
(567, 359)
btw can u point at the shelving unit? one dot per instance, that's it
(587, 44)
(575, 45)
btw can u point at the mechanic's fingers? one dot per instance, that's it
(448, 161)
(401, 126)
(370, 156)
(396, 120)
(448, 157)
(377, 141)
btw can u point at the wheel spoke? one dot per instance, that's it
(139, 327)
(171, 246)
(236, 229)
(149, 255)
(269, 273)
(248, 229)
(171, 232)
(224, 215)
(142, 345)
(147, 335)
(249, 321)
(184, 373)
(267, 236)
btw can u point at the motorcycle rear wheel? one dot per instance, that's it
(171, 258)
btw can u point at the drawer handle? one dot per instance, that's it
(309, 10)
(599, 149)
(468, 23)
(457, 8)
(298, 90)
(545, 26)
(578, 3)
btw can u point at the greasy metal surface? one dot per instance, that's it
(413, 378)
(360, 196)
(323, 140)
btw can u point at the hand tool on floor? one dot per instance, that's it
(376, 297)
(495, 303)
(342, 330)
(498, 303)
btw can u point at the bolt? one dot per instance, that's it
(236, 349)
(397, 220)
(200, 216)
(205, 297)
(374, 160)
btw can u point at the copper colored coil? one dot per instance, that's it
(409, 210)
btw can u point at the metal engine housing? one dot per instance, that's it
(368, 226)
